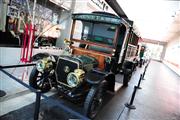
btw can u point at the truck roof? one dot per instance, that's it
(103, 17)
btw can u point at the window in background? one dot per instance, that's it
(154, 51)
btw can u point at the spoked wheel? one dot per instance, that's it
(94, 100)
(39, 80)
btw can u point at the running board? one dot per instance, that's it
(117, 86)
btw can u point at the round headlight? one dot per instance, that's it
(75, 78)
(40, 66)
(72, 80)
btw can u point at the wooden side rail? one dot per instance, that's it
(100, 57)
(93, 44)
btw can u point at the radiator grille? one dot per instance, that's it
(64, 67)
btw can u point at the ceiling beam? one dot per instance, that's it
(117, 8)
(153, 41)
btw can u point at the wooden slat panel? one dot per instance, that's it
(91, 51)
(99, 56)
(93, 43)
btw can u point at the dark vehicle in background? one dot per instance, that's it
(86, 70)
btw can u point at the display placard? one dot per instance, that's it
(13, 12)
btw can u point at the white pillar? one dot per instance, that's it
(163, 52)
(67, 20)
(3, 14)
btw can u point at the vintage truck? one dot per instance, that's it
(94, 53)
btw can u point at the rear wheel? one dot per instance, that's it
(39, 80)
(94, 100)
(127, 77)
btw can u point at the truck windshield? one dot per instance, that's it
(94, 32)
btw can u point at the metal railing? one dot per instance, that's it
(39, 94)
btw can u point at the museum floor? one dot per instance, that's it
(159, 99)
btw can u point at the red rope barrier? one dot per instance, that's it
(29, 37)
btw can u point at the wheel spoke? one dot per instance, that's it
(40, 83)
(44, 84)
(42, 78)
(39, 80)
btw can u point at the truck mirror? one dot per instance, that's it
(68, 42)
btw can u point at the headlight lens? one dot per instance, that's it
(75, 78)
(40, 66)
(72, 80)
(44, 65)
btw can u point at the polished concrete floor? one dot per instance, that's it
(159, 99)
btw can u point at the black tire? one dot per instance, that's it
(96, 93)
(141, 63)
(34, 82)
(127, 77)
(126, 80)
(115, 68)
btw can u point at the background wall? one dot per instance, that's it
(12, 55)
(172, 55)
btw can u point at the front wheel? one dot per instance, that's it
(39, 80)
(94, 100)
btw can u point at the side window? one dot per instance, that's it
(103, 33)
(85, 33)
(78, 30)
(87, 30)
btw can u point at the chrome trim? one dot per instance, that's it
(79, 74)
(60, 57)
(123, 45)
(68, 60)
(65, 84)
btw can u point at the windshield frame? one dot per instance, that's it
(89, 42)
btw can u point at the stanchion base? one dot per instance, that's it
(130, 106)
(143, 78)
(139, 87)
(2, 93)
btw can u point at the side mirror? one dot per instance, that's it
(67, 41)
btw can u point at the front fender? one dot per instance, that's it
(40, 56)
(110, 78)
(94, 77)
